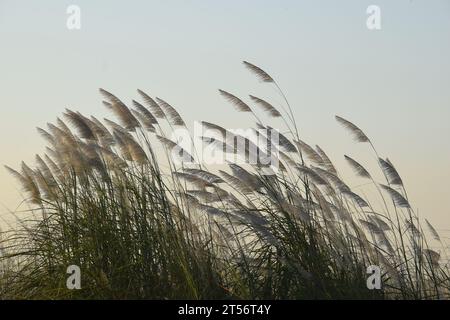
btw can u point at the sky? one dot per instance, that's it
(393, 82)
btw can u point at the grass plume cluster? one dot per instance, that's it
(109, 197)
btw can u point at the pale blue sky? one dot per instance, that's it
(394, 83)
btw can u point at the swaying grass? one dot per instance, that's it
(111, 199)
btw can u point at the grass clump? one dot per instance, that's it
(112, 199)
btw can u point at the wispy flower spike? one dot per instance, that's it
(153, 106)
(390, 172)
(326, 162)
(359, 135)
(267, 107)
(260, 73)
(433, 231)
(121, 111)
(84, 130)
(171, 113)
(238, 103)
(358, 168)
(398, 199)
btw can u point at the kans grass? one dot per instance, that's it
(110, 198)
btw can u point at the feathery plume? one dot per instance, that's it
(358, 168)
(121, 111)
(122, 144)
(398, 199)
(204, 175)
(63, 126)
(236, 183)
(115, 126)
(335, 180)
(261, 74)
(150, 118)
(245, 176)
(360, 201)
(372, 227)
(46, 172)
(83, 128)
(238, 103)
(102, 133)
(358, 134)
(47, 136)
(267, 107)
(316, 178)
(390, 172)
(26, 180)
(283, 142)
(286, 159)
(433, 231)
(53, 166)
(144, 120)
(136, 151)
(309, 152)
(211, 126)
(171, 113)
(175, 149)
(152, 105)
(190, 178)
(326, 162)
(380, 223)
